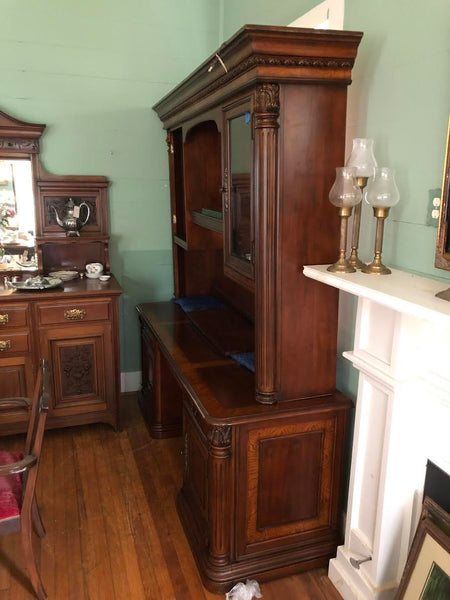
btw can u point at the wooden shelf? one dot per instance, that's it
(207, 221)
(180, 242)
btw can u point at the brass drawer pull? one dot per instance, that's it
(75, 314)
(4, 319)
(5, 345)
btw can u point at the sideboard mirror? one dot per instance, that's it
(33, 201)
(443, 238)
(19, 150)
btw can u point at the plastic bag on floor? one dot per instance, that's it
(244, 591)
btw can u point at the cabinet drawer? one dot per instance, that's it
(11, 342)
(13, 315)
(73, 312)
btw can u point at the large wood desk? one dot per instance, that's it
(76, 327)
(262, 483)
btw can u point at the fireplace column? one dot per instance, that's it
(402, 352)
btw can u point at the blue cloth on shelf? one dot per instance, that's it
(191, 303)
(245, 359)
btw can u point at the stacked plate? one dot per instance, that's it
(64, 275)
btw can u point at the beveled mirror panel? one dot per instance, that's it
(240, 198)
(238, 203)
(19, 149)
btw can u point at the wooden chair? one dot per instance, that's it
(18, 473)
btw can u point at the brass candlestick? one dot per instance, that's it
(353, 258)
(344, 194)
(342, 265)
(376, 267)
(363, 161)
(382, 194)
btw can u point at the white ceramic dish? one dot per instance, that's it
(92, 275)
(64, 275)
(104, 277)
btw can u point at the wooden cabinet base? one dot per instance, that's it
(260, 498)
(76, 329)
(262, 485)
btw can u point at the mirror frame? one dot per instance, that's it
(442, 260)
(20, 140)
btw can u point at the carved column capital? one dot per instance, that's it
(267, 98)
(219, 436)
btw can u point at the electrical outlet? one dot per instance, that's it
(434, 202)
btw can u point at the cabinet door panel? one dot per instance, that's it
(196, 468)
(83, 376)
(16, 377)
(287, 478)
(16, 380)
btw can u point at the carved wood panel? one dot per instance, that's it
(80, 355)
(77, 370)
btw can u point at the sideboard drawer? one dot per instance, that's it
(73, 312)
(13, 315)
(11, 343)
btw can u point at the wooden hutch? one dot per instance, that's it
(74, 325)
(254, 136)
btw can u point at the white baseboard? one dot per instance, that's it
(130, 381)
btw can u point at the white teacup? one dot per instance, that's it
(94, 270)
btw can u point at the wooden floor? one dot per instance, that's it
(108, 503)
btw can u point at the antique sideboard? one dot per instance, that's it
(74, 325)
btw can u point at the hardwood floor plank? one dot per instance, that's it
(94, 543)
(108, 503)
(155, 577)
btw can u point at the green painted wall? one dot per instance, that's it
(400, 96)
(91, 70)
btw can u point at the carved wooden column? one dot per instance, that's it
(267, 108)
(219, 494)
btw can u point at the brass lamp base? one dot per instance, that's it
(376, 267)
(445, 294)
(341, 266)
(354, 260)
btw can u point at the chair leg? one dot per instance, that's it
(37, 521)
(30, 560)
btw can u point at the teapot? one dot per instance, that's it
(71, 222)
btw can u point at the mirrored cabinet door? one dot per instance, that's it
(238, 201)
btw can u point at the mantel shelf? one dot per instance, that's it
(404, 292)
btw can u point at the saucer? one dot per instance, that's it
(105, 277)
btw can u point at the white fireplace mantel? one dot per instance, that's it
(402, 352)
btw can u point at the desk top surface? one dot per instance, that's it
(221, 390)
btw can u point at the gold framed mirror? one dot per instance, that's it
(443, 237)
